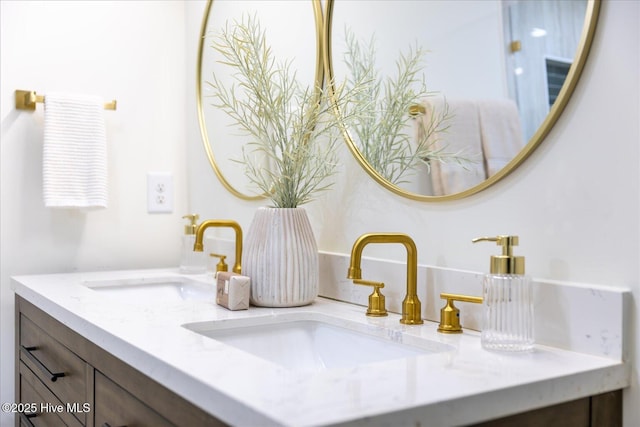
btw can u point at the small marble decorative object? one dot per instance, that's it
(281, 257)
(232, 290)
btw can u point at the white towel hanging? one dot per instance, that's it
(75, 152)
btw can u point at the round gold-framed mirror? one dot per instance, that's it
(294, 32)
(535, 47)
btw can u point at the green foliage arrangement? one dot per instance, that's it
(291, 129)
(382, 127)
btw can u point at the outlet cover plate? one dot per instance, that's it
(159, 192)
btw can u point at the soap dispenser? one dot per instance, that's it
(191, 262)
(508, 300)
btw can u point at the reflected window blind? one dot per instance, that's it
(557, 71)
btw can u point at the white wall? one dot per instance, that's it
(131, 51)
(574, 202)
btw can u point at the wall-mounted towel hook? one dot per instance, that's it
(27, 99)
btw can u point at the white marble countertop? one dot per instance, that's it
(461, 386)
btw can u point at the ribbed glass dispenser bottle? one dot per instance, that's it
(191, 262)
(508, 300)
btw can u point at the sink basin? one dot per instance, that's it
(314, 341)
(154, 289)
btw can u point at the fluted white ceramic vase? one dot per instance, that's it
(280, 256)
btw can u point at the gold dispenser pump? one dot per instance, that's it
(506, 263)
(191, 262)
(193, 223)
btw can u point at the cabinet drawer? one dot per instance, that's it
(44, 407)
(114, 406)
(59, 369)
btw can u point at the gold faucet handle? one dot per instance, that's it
(376, 299)
(450, 314)
(221, 266)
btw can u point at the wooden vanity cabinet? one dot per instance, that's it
(71, 381)
(34, 392)
(119, 395)
(602, 410)
(44, 358)
(117, 407)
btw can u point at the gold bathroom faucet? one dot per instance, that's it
(198, 246)
(411, 304)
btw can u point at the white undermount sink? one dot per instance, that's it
(154, 289)
(311, 341)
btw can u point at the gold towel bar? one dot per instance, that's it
(27, 99)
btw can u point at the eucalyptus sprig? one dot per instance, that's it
(293, 131)
(382, 127)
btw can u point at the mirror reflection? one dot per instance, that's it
(494, 68)
(296, 42)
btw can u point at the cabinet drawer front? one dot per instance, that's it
(117, 407)
(44, 407)
(46, 356)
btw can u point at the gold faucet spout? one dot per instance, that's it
(411, 307)
(199, 247)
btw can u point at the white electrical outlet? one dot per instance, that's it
(159, 192)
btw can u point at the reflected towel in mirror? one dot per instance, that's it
(501, 133)
(463, 137)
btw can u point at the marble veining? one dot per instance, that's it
(463, 385)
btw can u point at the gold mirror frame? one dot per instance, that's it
(319, 79)
(591, 18)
